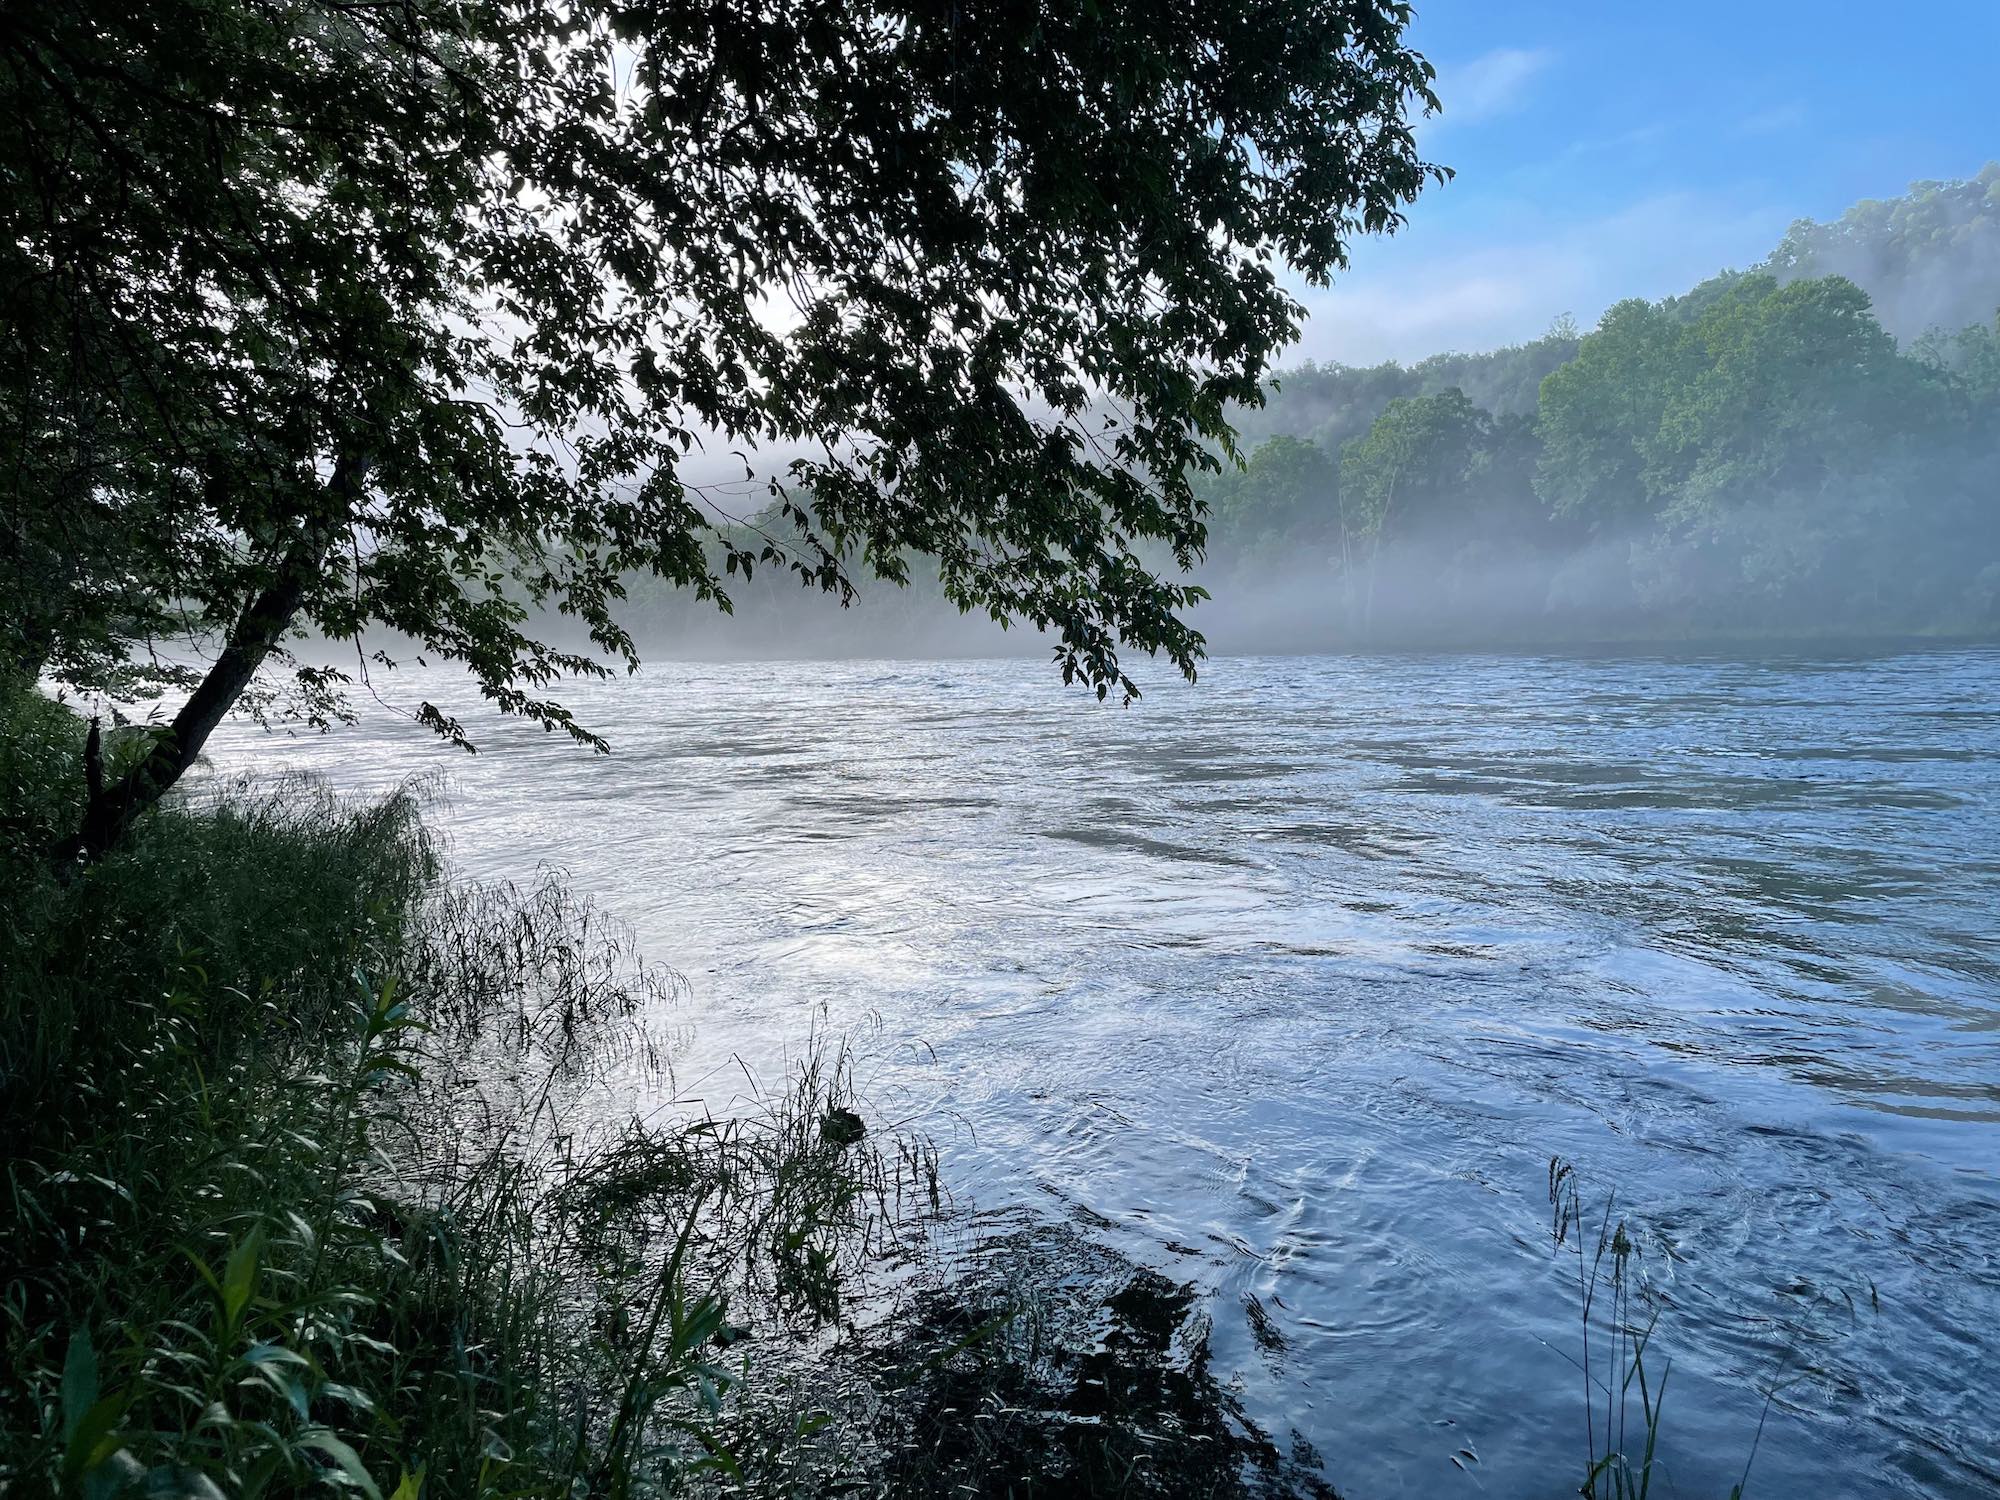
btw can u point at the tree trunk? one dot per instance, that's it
(111, 810)
(1375, 555)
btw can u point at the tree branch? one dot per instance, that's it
(111, 811)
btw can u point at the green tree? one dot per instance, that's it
(1285, 497)
(1331, 403)
(1501, 482)
(1929, 259)
(1970, 358)
(1801, 461)
(408, 316)
(1599, 416)
(1412, 467)
(1405, 478)
(1794, 384)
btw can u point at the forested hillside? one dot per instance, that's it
(1929, 259)
(1759, 455)
(1331, 403)
(1755, 456)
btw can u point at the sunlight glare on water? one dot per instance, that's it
(1291, 983)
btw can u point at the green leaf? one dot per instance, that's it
(79, 1382)
(239, 1277)
(262, 1353)
(344, 1458)
(94, 1438)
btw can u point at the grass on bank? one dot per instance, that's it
(295, 1196)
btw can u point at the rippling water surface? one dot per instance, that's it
(1291, 983)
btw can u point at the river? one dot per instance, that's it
(1290, 984)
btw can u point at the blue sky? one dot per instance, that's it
(1615, 149)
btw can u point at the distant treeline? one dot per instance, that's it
(1758, 455)
(1808, 448)
(1928, 260)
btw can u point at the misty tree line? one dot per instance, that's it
(1760, 453)
(1760, 449)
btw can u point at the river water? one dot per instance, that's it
(1290, 984)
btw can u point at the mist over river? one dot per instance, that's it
(1290, 984)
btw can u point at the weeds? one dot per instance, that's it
(1615, 1307)
(1605, 1256)
(312, 1184)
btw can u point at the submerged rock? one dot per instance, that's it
(1052, 1366)
(841, 1127)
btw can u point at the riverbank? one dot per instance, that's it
(330, 1171)
(298, 1198)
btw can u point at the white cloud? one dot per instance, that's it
(1489, 85)
(1408, 297)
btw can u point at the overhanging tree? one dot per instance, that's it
(407, 316)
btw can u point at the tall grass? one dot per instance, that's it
(1624, 1398)
(1611, 1306)
(305, 1190)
